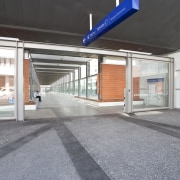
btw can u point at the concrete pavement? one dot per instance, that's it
(67, 139)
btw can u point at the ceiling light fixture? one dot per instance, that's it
(136, 52)
(9, 39)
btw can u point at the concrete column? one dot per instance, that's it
(73, 81)
(79, 78)
(99, 81)
(87, 76)
(171, 84)
(128, 90)
(19, 84)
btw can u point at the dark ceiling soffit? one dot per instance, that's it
(30, 34)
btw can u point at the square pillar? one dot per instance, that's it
(19, 84)
(128, 90)
(87, 75)
(79, 78)
(171, 84)
(99, 79)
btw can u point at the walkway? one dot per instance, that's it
(67, 140)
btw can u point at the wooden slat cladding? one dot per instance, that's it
(26, 80)
(113, 82)
(136, 88)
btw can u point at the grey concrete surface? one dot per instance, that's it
(43, 158)
(39, 114)
(128, 151)
(161, 116)
(10, 132)
(68, 140)
(67, 106)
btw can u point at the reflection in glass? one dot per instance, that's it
(150, 84)
(7, 88)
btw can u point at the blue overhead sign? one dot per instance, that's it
(119, 14)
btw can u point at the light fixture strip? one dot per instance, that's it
(135, 52)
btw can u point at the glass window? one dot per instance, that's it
(66, 88)
(71, 76)
(83, 87)
(93, 66)
(67, 77)
(92, 88)
(76, 88)
(7, 86)
(83, 71)
(76, 74)
(150, 84)
(71, 91)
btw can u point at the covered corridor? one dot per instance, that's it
(61, 105)
(144, 82)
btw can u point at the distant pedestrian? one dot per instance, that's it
(37, 95)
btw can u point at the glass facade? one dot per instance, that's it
(75, 82)
(76, 74)
(93, 67)
(7, 83)
(71, 88)
(83, 71)
(76, 89)
(150, 84)
(92, 87)
(82, 88)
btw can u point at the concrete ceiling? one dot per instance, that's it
(155, 29)
(50, 68)
(51, 65)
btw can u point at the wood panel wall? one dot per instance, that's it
(26, 80)
(112, 82)
(113, 79)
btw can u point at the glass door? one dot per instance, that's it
(7, 83)
(150, 84)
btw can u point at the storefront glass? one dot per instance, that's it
(150, 84)
(7, 85)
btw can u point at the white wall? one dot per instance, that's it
(176, 57)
